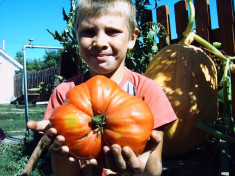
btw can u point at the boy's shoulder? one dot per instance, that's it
(139, 85)
(138, 79)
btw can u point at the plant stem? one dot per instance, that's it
(210, 130)
(210, 47)
(190, 23)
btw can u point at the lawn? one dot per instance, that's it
(15, 156)
(12, 119)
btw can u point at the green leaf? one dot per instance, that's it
(154, 48)
(50, 32)
(58, 36)
(65, 16)
(150, 35)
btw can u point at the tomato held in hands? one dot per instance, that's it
(97, 113)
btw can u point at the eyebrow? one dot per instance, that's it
(85, 27)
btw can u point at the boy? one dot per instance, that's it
(105, 30)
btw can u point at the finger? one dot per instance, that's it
(49, 137)
(38, 126)
(110, 160)
(99, 163)
(156, 137)
(117, 154)
(108, 157)
(93, 162)
(151, 145)
(58, 148)
(57, 144)
(132, 160)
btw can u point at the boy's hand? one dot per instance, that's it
(124, 161)
(51, 139)
(43, 126)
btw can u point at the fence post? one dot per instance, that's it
(202, 18)
(163, 18)
(226, 24)
(181, 17)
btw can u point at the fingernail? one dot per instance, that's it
(157, 136)
(106, 149)
(126, 149)
(115, 150)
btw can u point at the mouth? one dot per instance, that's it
(102, 57)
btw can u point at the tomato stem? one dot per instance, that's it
(98, 122)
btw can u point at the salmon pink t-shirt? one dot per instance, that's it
(133, 83)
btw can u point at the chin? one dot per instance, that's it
(104, 72)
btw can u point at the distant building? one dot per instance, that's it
(8, 67)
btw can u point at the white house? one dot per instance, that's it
(8, 66)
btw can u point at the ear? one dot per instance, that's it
(133, 38)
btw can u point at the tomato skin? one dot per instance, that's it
(128, 121)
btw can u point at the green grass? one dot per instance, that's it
(13, 157)
(12, 119)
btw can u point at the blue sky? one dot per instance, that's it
(25, 19)
(22, 20)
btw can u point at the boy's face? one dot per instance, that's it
(103, 43)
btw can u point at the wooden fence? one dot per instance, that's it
(33, 80)
(224, 34)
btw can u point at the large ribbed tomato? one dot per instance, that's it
(97, 113)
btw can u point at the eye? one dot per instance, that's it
(87, 33)
(113, 32)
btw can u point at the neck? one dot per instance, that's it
(116, 76)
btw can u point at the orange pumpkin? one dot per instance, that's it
(189, 79)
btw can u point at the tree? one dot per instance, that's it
(19, 57)
(50, 59)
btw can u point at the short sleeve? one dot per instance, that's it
(159, 104)
(152, 93)
(58, 96)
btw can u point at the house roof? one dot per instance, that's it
(10, 59)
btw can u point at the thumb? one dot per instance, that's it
(156, 137)
(38, 126)
(154, 140)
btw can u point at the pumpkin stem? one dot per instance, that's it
(190, 24)
(98, 122)
(190, 36)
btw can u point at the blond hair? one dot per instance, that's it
(96, 8)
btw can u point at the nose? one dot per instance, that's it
(101, 41)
